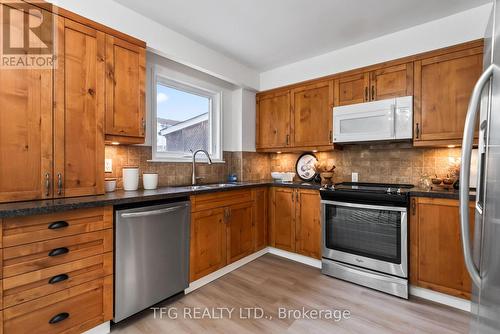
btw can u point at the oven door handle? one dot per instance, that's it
(366, 206)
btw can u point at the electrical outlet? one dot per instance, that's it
(354, 177)
(108, 165)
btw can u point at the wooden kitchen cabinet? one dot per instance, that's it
(25, 133)
(295, 221)
(436, 257)
(125, 91)
(240, 231)
(273, 120)
(392, 81)
(308, 223)
(208, 242)
(443, 86)
(79, 112)
(352, 89)
(312, 115)
(261, 217)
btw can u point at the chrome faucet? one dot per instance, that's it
(193, 176)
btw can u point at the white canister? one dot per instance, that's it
(150, 181)
(130, 178)
(110, 185)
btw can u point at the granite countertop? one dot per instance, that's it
(120, 197)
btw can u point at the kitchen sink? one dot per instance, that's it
(211, 186)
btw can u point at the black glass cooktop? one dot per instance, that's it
(372, 187)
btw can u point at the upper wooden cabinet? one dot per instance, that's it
(125, 91)
(79, 111)
(273, 120)
(379, 84)
(436, 258)
(443, 86)
(352, 89)
(312, 115)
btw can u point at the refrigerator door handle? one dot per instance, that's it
(468, 137)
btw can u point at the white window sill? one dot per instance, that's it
(186, 160)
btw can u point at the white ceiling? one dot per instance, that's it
(264, 34)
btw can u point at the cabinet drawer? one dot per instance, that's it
(79, 308)
(36, 284)
(24, 230)
(25, 258)
(220, 199)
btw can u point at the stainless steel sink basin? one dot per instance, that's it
(211, 186)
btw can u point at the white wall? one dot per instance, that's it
(239, 125)
(163, 40)
(454, 29)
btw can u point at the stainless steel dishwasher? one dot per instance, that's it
(151, 255)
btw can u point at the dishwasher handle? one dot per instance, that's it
(152, 212)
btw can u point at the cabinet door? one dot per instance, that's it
(79, 113)
(273, 120)
(443, 86)
(436, 258)
(260, 217)
(352, 89)
(125, 90)
(393, 81)
(283, 219)
(312, 115)
(240, 231)
(208, 243)
(308, 224)
(25, 133)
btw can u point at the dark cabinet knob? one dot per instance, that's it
(58, 278)
(58, 225)
(59, 251)
(59, 317)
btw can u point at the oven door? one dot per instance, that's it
(368, 236)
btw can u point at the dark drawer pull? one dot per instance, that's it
(58, 318)
(57, 225)
(58, 251)
(58, 278)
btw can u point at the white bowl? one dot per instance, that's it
(288, 177)
(276, 175)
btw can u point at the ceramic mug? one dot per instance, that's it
(150, 181)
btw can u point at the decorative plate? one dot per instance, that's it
(305, 166)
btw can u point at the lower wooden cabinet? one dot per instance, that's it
(57, 271)
(436, 258)
(226, 227)
(295, 221)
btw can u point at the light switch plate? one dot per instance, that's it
(108, 165)
(354, 177)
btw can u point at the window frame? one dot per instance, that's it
(214, 120)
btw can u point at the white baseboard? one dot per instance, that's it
(223, 271)
(101, 329)
(295, 257)
(434, 296)
(441, 298)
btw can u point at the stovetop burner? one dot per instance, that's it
(372, 193)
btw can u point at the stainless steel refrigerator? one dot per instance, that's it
(482, 249)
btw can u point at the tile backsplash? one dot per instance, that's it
(392, 163)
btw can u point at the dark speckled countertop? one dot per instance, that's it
(127, 197)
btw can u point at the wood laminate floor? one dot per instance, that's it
(271, 282)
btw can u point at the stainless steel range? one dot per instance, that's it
(365, 235)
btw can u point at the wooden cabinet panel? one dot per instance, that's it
(312, 115)
(240, 231)
(283, 219)
(308, 224)
(220, 199)
(125, 90)
(273, 120)
(393, 81)
(208, 242)
(436, 258)
(352, 89)
(25, 134)
(443, 86)
(261, 217)
(79, 114)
